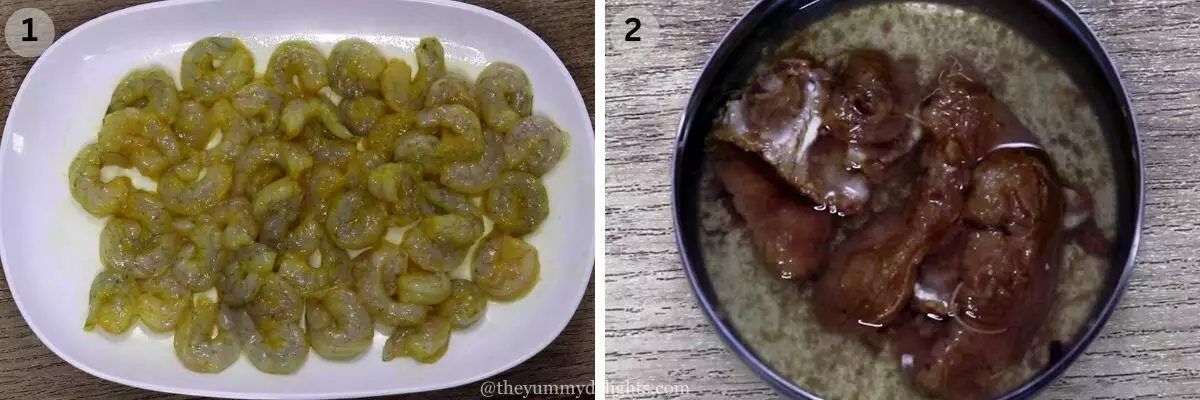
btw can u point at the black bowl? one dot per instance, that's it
(1053, 24)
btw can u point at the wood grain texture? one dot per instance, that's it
(655, 333)
(30, 370)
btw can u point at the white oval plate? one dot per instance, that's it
(49, 245)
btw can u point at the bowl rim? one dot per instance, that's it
(1064, 14)
(558, 326)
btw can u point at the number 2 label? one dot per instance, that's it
(637, 24)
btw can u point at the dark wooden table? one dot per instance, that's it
(29, 370)
(655, 332)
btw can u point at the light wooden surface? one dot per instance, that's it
(29, 370)
(655, 333)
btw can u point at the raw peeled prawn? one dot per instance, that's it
(161, 302)
(452, 89)
(356, 220)
(504, 95)
(215, 67)
(142, 140)
(534, 145)
(479, 175)
(423, 287)
(355, 66)
(431, 63)
(397, 87)
(152, 90)
(272, 347)
(506, 268)
(518, 203)
(398, 184)
(308, 280)
(269, 151)
(185, 191)
(359, 115)
(419, 149)
(236, 133)
(425, 343)
(196, 346)
(300, 61)
(98, 197)
(462, 137)
(277, 300)
(111, 303)
(339, 325)
(200, 258)
(130, 248)
(256, 99)
(377, 267)
(431, 255)
(299, 112)
(243, 275)
(466, 304)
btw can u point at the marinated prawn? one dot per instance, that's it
(131, 248)
(534, 145)
(452, 89)
(215, 67)
(419, 149)
(355, 66)
(258, 100)
(95, 195)
(152, 90)
(504, 95)
(397, 87)
(462, 137)
(431, 255)
(399, 185)
(361, 114)
(431, 63)
(423, 287)
(299, 112)
(273, 347)
(111, 303)
(242, 276)
(185, 191)
(425, 343)
(195, 344)
(356, 220)
(466, 304)
(476, 176)
(237, 220)
(378, 268)
(194, 126)
(267, 151)
(308, 280)
(295, 69)
(518, 204)
(134, 138)
(235, 133)
(339, 325)
(505, 267)
(201, 257)
(441, 240)
(161, 302)
(277, 301)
